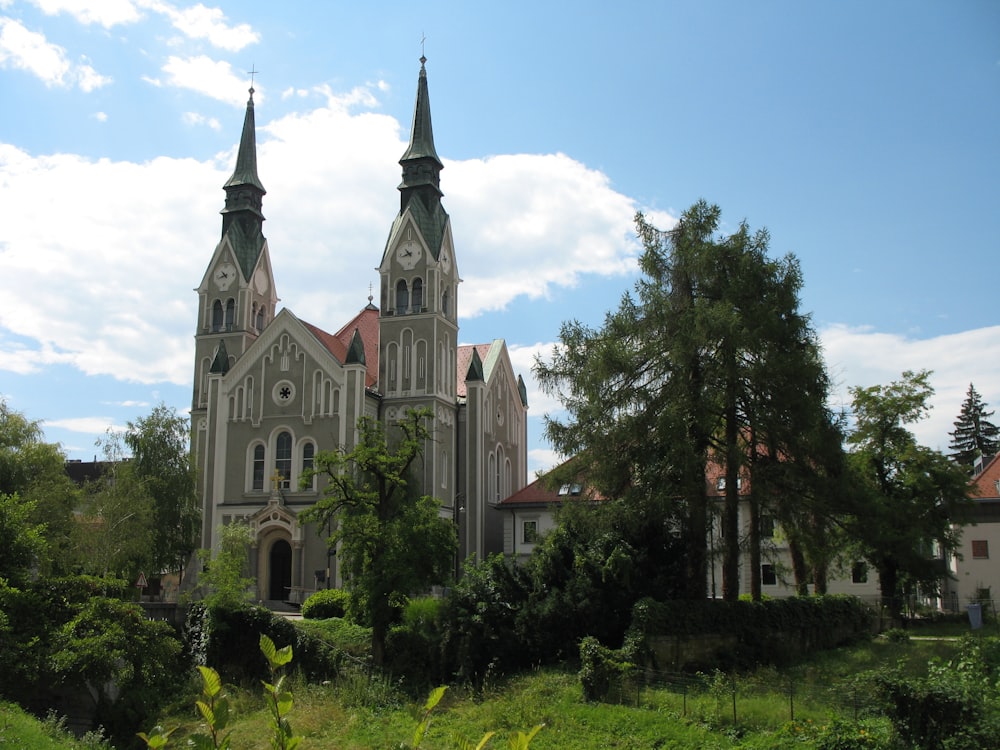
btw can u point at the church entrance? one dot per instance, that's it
(280, 567)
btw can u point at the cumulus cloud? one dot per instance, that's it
(23, 49)
(213, 78)
(210, 24)
(107, 13)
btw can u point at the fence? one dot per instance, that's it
(725, 696)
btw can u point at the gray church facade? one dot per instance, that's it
(271, 390)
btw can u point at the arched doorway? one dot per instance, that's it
(280, 569)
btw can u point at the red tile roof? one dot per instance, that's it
(463, 360)
(366, 323)
(985, 484)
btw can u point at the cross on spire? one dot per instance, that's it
(252, 72)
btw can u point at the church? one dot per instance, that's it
(272, 390)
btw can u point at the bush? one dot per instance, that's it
(326, 604)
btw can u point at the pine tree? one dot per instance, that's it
(974, 434)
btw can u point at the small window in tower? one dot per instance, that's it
(230, 314)
(445, 300)
(260, 318)
(418, 295)
(402, 298)
(217, 316)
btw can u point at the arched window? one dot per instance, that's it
(283, 459)
(230, 314)
(217, 316)
(402, 298)
(260, 318)
(258, 467)
(308, 454)
(418, 295)
(445, 302)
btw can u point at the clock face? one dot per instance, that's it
(408, 255)
(224, 276)
(260, 281)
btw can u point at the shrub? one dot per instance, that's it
(326, 604)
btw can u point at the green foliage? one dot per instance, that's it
(160, 462)
(412, 648)
(33, 480)
(479, 621)
(600, 669)
(391, 542)
(974, 434)
(278, 698)
(710, 359)
(222, 583)
(955, 707)
(21, 541)
(325, 604)
(896, 635)
(905, 495)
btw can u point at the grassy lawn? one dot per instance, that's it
(790, 708)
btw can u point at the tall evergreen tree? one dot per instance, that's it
(974, 434)
(709, 356)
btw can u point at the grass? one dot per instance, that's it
(353, 713)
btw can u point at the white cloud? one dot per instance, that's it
(201, 22)
(213, 78)
(100, 116)
(193, 118)
(865, 357)
(85, 425)
(107, 13)
(30, 51)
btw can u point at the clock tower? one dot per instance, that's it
(418, 324)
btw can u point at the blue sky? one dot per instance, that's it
(864, 136)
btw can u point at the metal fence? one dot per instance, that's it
(728, 697)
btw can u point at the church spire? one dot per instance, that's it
(244, 190)
(421, 165)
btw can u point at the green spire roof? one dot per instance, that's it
(421, 132)
(475, 368)
(245, 172)
(356, 351)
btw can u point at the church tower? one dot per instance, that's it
(236, 296)
(418, 324)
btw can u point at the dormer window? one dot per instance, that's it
(570, 490)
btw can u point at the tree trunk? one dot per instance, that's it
(755, 556)
(799, 568)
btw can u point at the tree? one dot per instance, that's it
(21, 542)
(115, 525)
(974, 434)
(905, 494)
(34, 471)
(162, 464)
(222, 582)
(710, 360)
(391, 542)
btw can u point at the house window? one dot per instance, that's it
(402, 298)
(766, 526)
(283, 459)
(529, 532)
(720, 483)
(258, 467)
(768, 576)
(980, 549)
(859, 572)
(418, 295)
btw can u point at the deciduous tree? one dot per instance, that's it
(907, 494)
(391, 541)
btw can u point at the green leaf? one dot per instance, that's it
(282, 656)
(435, 697)
(211, 682)
(206, 712)
(267, 647)
(284, 702)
